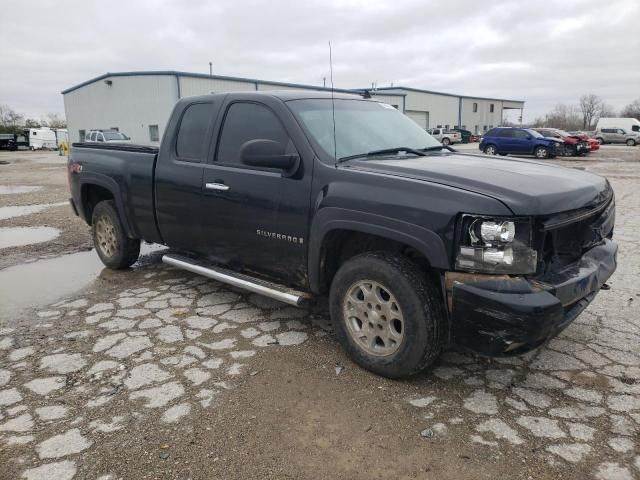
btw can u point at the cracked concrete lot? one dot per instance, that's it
(158, 373)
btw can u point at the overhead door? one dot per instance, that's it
(421, 118)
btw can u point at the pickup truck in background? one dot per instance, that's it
(444, 136)
(617, 135)
(296, 195)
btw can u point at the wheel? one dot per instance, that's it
(490, 150)
(115, 249)
(387, 314)
(502, 154)
(571, 151)
(601, 140)
(446, 141)
(541, 152)
(631, 142)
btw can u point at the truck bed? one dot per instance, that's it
(127, 169)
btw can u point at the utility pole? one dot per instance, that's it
(324, 82)
(211, 69)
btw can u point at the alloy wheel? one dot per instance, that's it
(373, 318)
(106, 236)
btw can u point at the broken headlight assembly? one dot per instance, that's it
(495, 245)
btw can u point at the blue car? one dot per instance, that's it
(520, 141)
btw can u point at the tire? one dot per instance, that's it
(419, 328)
(446, 141)
(115, 249)
(631, 142)
(601, 140)
(541, 152)
(502, 154)
(490, 149)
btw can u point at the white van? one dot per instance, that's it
(42, 138)
(627, 124)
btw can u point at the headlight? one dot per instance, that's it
(495, 245)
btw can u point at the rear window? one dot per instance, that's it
(192, 141)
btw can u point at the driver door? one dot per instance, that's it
(255, 218)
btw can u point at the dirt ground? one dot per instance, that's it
(154, 373)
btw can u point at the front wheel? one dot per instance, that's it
(387, 314)
(631, 142)
(541, 152)
(600, 140)
(115, 249)
(490, 150)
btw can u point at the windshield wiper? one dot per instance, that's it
(385, 151)
(438, 147)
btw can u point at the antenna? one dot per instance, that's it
(333, 108)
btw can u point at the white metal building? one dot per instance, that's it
(138, 104)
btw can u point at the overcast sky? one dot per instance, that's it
(543, 52)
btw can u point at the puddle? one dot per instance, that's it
(12, 189)
(44, 282)
(14, 211)
(20, 236)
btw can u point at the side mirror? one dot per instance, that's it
(267, 154)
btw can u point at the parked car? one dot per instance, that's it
(521, 141)
(573, 146)
(108, 136)
(586, 136)
(8, 141)
(465, 135)
(415, 245)
(631, 125)
(444, 136)
(617, 135)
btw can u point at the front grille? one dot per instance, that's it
(565, 240)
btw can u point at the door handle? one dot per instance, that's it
(217, 186)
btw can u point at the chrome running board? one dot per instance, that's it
(256, 285)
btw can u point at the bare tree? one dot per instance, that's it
(53, 120)
(31, 123)
(563, 116)
(590, 105)
(9, 118)
(632, 110)
(607, 110)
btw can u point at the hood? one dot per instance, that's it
(526, 187)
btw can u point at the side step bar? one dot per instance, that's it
(268, 289)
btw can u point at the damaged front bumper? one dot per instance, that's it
(502, 315)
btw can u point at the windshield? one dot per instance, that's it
(114, 136)
(563, 133)
(361, 126)
(535, 134)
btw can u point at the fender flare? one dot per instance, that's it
(328, 219)
(112, 186)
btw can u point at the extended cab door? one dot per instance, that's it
(178, 185)
(254, 218)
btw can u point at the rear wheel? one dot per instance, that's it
(446, 141)
(601, 140)
(541, 152)
(387, 314)
(631, 142)
(115, 249)
(490, 150)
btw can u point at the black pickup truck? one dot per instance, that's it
(296, 195)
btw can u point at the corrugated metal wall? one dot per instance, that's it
(133, 103)
(130, 103)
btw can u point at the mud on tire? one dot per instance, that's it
(115, 249)
(423, 326)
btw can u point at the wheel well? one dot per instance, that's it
(91, 196)
(338, 246)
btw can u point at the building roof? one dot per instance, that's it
(391, 91)
(411, 89)
(214, 77)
